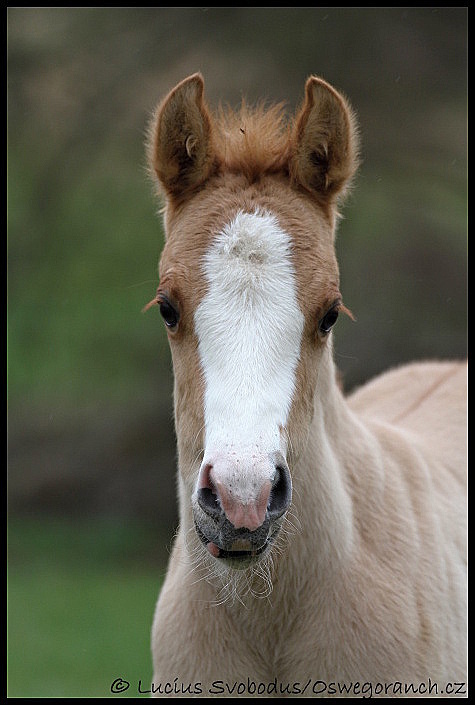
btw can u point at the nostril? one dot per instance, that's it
(281, 492)
(207, 495)
(208, 501)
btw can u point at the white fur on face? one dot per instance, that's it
(249, 326)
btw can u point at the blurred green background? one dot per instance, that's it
(91, 447)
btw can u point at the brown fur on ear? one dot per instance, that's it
(181, 151)
(324, 142)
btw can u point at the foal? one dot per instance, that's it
(321, 538)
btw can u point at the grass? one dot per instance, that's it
(81, 597)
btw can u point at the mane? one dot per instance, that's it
(254, 140)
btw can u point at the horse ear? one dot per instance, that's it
(180, 145)
(324, 143)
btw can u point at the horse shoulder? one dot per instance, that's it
(421, 390)
(428, 400)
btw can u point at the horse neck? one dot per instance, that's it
(338, 444)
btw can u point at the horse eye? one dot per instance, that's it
(168, 313)
(328, 320)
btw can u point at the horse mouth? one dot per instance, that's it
(239, 554)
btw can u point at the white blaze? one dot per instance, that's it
(249, 326)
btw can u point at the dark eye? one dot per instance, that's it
(168, 313)
(328, 320)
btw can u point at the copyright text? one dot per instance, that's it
(310, 687)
